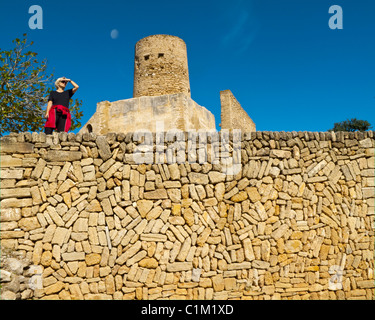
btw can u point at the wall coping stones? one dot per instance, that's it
(57, 138)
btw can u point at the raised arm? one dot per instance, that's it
(76, 86)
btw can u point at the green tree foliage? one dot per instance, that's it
(24, 89)
(351, 125)
(74, 107)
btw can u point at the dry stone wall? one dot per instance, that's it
(297, 221)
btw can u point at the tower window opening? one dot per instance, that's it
(147, 57)
(161, 55)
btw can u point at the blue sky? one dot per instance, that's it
(283, 63)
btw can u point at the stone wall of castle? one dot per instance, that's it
(233, 116)
(296, 222)
(166, 112)
(161, 66)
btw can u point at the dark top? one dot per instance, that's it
(61, 98)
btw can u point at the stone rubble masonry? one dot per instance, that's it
(81, 220)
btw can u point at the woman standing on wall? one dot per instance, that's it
(58, 114)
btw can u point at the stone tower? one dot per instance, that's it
(160, 66)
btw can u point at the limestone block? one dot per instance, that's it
(154, 213)
(279, 232)
(98, 296)
(275, 153)
(15, 193)
(156, 195)
(241, 265)
(366, 284)
(137, 257)
(55, 216)
(61, 155)
(92, 259)
(73, 256)
(184, 250)
(46, 258)
(216, 177)
(9, 161)
(218, 282)
(188, 215)
(36, 196)
(149, 263)
(66, 186)
(144, 206)
(11, 174)
(141, 226)
(9, 214)
(8, 295)
(28, 224)
(219, 191)
(174, 171)
(54, 288)
(103, 148)
(201, 240)
(292, 246)
(239, 197)
(368, 192)
(198, 178)
(94, 206)
(253, 194)
(179, 266)
(60, 236)
(366, 143)
(5, 226)
(274, 172)
(16, 147)
(248, 250)
(153, 237)
(6, 276)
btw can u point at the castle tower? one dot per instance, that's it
(161, 94)
(160, 66)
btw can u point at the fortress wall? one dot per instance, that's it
(296, 222)
(233, 116)
(175, 111)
